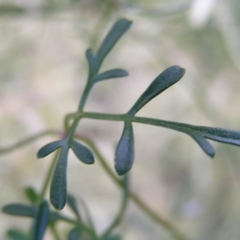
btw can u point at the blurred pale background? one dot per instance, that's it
(43, 72)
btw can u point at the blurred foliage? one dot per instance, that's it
(42, 74)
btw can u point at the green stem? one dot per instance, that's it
(122, 209)
(54, 232)
(27, 140)
(157, 218)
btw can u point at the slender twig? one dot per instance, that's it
(27, 140)
(119, 216)
(156, 217)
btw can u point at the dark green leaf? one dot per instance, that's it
(16, 234)
(18, 209)
(91, 61)
(41, 221)
(74, 234)
(205, 145)
(119, 28)
(198, 133)
(124, 155)
(72, 204)
(49, 148)
(58, 190)
(31, 194)
(114, 73)
(166, 79)
(82, 152)
(221, 135)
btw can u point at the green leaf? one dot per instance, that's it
(205, 145)
(72, 204)
(118, 29)
(124, 155)
(16, 234)
(49, 148)
(58, 190)
(92, 63)
(74, 234)
(41, 221)
(198, 133)
(82, 152)
(31, 194)
(114, 73)
(166, 79)
(221, 135)
(18, 209)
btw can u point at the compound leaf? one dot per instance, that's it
(163, 81)
(19, 209)
(118, 29)
(49, 148)
(124, 155)
(58, 190)
(82, 152)
(41, 221)
(114, 73)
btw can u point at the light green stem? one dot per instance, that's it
(28, 140)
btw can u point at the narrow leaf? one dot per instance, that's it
(205, 145)
(92, 63)
(15, 234)
(114, 73)
(31, 194)
(124, 155)
(221, 135)
(82, 152)
(41, 221)
(72, 204)
(49, 148)
(166, 79)
(58, 190)
(119, 28)
(20, 210)
(74, 234)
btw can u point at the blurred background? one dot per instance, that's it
(43, 71)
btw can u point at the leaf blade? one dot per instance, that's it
(124, 155)
(163, 81)
(58, 189)
(114, 73)
(205, 145)
(82, 152)
(116, 32)
(49, 148)
(19, 209)
(74, 234)
(41, 222)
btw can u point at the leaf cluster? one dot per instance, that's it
(40, 211)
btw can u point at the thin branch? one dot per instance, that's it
(27, 140)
